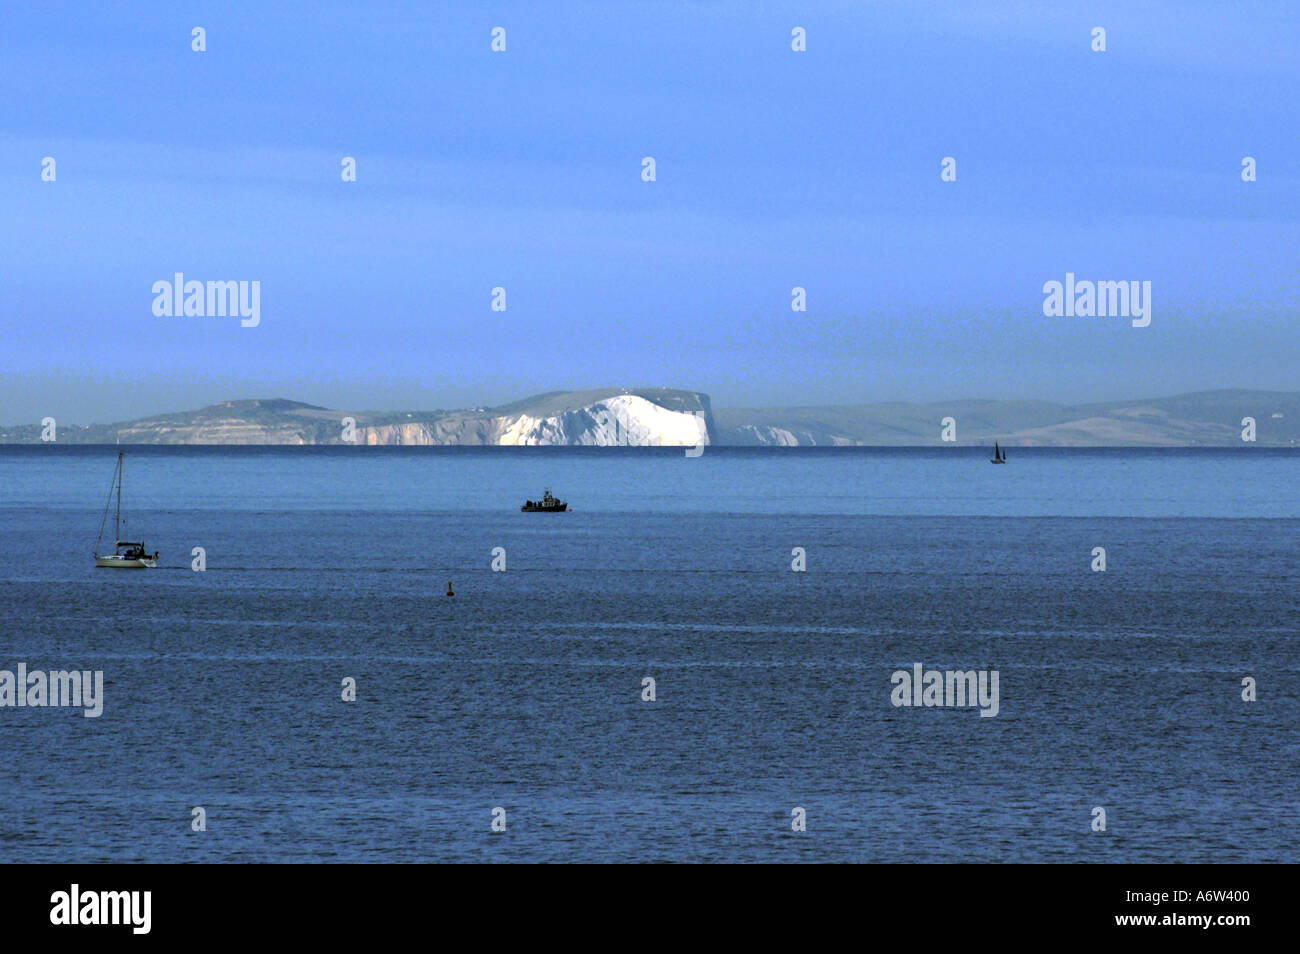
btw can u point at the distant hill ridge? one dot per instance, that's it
(669, 417)
(609, 416)
(1211, 418)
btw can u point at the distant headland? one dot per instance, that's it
(673, 418)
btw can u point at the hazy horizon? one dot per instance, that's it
(716, 405)
(522, 170)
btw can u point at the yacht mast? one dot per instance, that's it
(117, 518)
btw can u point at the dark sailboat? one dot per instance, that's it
(547, 504)
(999, 455)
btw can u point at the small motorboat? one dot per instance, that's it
(547, 504)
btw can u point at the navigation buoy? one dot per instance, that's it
(449, 592)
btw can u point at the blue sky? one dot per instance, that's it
(523, 170)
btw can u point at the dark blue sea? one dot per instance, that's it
(1119, 689)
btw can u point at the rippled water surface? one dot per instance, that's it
(1120, 689)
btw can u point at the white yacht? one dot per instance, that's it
(126, 555)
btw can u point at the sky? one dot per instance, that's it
(523, 170)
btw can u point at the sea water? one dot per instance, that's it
(525, 692)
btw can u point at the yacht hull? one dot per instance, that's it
(123, 563)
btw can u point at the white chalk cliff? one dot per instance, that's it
(627, 419)
(607, 418)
